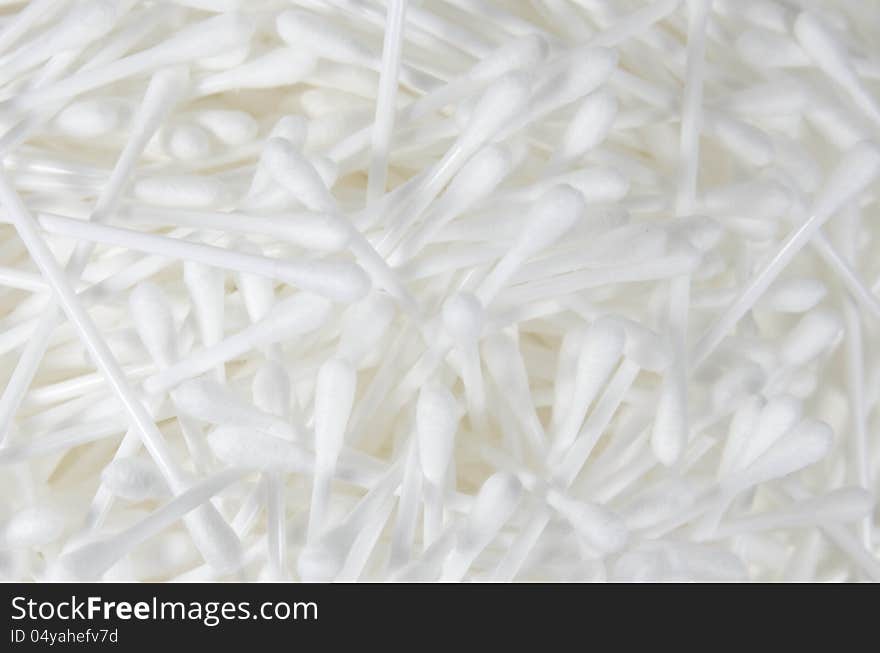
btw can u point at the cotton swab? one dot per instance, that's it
(334, 395)
(463, 319)
(601, 351)
(553, 215)
(437, 416)
(494, 505)
(476, 180)
(207, 291)
(32, 527)
(278, 67)
(134, 479)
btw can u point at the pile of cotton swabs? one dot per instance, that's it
(444, 290)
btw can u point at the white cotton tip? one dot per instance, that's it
(134, 479)
(603, 530)
(583, 74)
(364, 325)
(214, 403)
(297, 174)
(86, 22)
(243, 447)
(806, 445)
(814, 333)
(188, 142)
(479, 176)
(334, 396)
(152, 317)
(590, 125)
(856, 169)
(181, 191)
(552, 216)
(166, 86)
(302, 29)
(92, 118)
(271, 389)
(494, 504)
(643, 346)
(519, 54)
(778, 417)
(33, 527)
(463, 317)
(292, 128)
(702, 232)
(502, 101)
(276, 68)
(207, 291)
(748, 143)
(739, 432)
(794, 295)
(229, 127)
(172, 553)
(735, 384)
(598, 185)
(208, 37)
(437, 415)
(602, 346)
